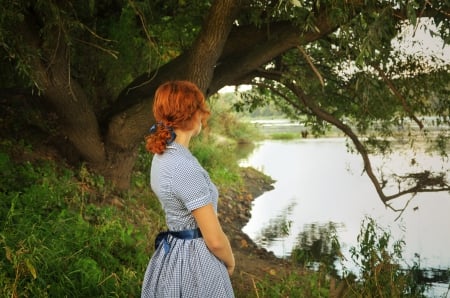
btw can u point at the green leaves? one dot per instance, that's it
(379, 258)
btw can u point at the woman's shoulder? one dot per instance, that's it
(175, 158)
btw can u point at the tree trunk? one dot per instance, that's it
(133, 116)
(118, 168)
(215, 59)
(64, 95)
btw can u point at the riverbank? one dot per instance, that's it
(252, 263)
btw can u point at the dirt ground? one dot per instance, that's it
(252, 263)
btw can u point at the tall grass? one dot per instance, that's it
(231, 125)
(56, 243)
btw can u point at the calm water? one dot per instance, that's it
(318, 181)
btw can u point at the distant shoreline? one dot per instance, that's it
(402, 135)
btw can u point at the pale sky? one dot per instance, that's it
(417, 40)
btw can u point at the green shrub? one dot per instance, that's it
(55, 243)
(224, 121)
(220, 161)
(379, 262)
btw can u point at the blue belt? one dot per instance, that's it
(184, 234)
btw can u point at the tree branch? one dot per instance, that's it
(399, 96)
(250, 47)
(209, 44)
(420, 185)
(424, 182)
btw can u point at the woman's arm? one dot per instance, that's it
(214, 237)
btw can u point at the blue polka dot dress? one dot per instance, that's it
(188, 269)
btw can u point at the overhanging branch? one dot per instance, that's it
(421, 182)
(397, 93)
(431, 184)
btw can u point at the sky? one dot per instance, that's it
(418, 40)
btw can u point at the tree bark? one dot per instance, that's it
(64, 95)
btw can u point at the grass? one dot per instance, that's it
(284, 136)
(57, 243)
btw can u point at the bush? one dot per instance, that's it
(379, 262)
(55, 243)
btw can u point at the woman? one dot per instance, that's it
(194, 257)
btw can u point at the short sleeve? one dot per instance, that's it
(191, 185)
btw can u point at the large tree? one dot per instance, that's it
(91, 67)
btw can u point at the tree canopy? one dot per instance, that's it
(86, 71)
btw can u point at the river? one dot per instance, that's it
(318, 181)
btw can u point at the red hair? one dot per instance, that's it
(176, 105)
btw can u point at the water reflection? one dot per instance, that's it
(277, 228)
(318, 244)
(327, 185)
(245, 149)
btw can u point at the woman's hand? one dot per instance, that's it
(214, 237)
(230, 270)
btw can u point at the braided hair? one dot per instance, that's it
(174, 107)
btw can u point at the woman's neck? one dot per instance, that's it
(183, 137)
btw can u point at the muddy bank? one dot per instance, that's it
(252, 262)
(235, 208)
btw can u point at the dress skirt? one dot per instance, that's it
(186, 268)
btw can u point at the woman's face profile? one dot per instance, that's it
(197, 123)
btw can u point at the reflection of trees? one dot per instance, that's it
(243, 150)
(277, 227)
(318, 245)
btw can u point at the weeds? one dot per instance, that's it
(379, 259)
(53, 247)
(376, 257)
